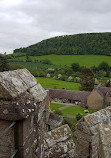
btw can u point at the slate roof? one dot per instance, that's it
(69, 94)
(103, 91)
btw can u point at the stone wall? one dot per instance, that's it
(25, 103)
(59, 144)
(93, 135)
(7, 144)
(95, 101)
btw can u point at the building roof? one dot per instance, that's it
(103, 91)
(69, 94)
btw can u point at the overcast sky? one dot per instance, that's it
(26, 22)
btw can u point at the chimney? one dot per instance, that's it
(100, 81)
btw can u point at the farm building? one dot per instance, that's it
(76, 97)
(99, 98)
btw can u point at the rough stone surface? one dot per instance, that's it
(26, 103)
(105, 140)
(58, 143)
(91, 133)
(55, 120)
(13, 83)
(38, 93)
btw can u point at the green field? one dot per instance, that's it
(55, 106)
(74, 110)
(57, 84)
(34, 65)
(83, 60)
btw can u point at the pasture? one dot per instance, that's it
(83, 60)
(72, 110)
(57, 84)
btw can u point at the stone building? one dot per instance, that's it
(99, 98)
(76, 97)
(24, 116)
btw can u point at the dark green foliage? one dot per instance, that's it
(80, 44)
(28, 59)
(58, 112)
(4, 65)
(78, 116)
(87, 80)
(94, 69)
(73, 127)
(75, 67)
(47, 61)
(15, 66)
(69, 121)
(104, 66)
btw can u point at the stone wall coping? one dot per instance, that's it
(57, 135)
(19, 94)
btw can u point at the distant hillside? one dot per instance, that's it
(80, 44)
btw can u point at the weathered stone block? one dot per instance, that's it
(93, 132)
(13, 83)
(58, 143)
(38, 93)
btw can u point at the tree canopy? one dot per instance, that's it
(4, 66)
(104, 66)
(87, 80)
(75, 67)
(80, 44)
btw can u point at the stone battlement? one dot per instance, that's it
(24, 117)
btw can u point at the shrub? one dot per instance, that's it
(103, 66)
(16, 66)
(59, 76)
(70, 78)
(73, 127)
(68, 121)
(58, 112)
(86, 106)
(78, 116)
(48, 75)
(75, 67)
(47, 61)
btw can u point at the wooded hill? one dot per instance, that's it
(79, 44)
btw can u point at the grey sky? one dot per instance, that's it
(25, 22)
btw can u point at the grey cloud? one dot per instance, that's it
(24, 22)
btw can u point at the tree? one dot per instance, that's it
(104, 66)
(4, 66)
(75, 67)
(87, 80)
(94, 69)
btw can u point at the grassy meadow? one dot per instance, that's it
(72, 110)
(55, 106)
(83, 60)
(57, 84)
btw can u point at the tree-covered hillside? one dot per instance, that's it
(80, 44)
